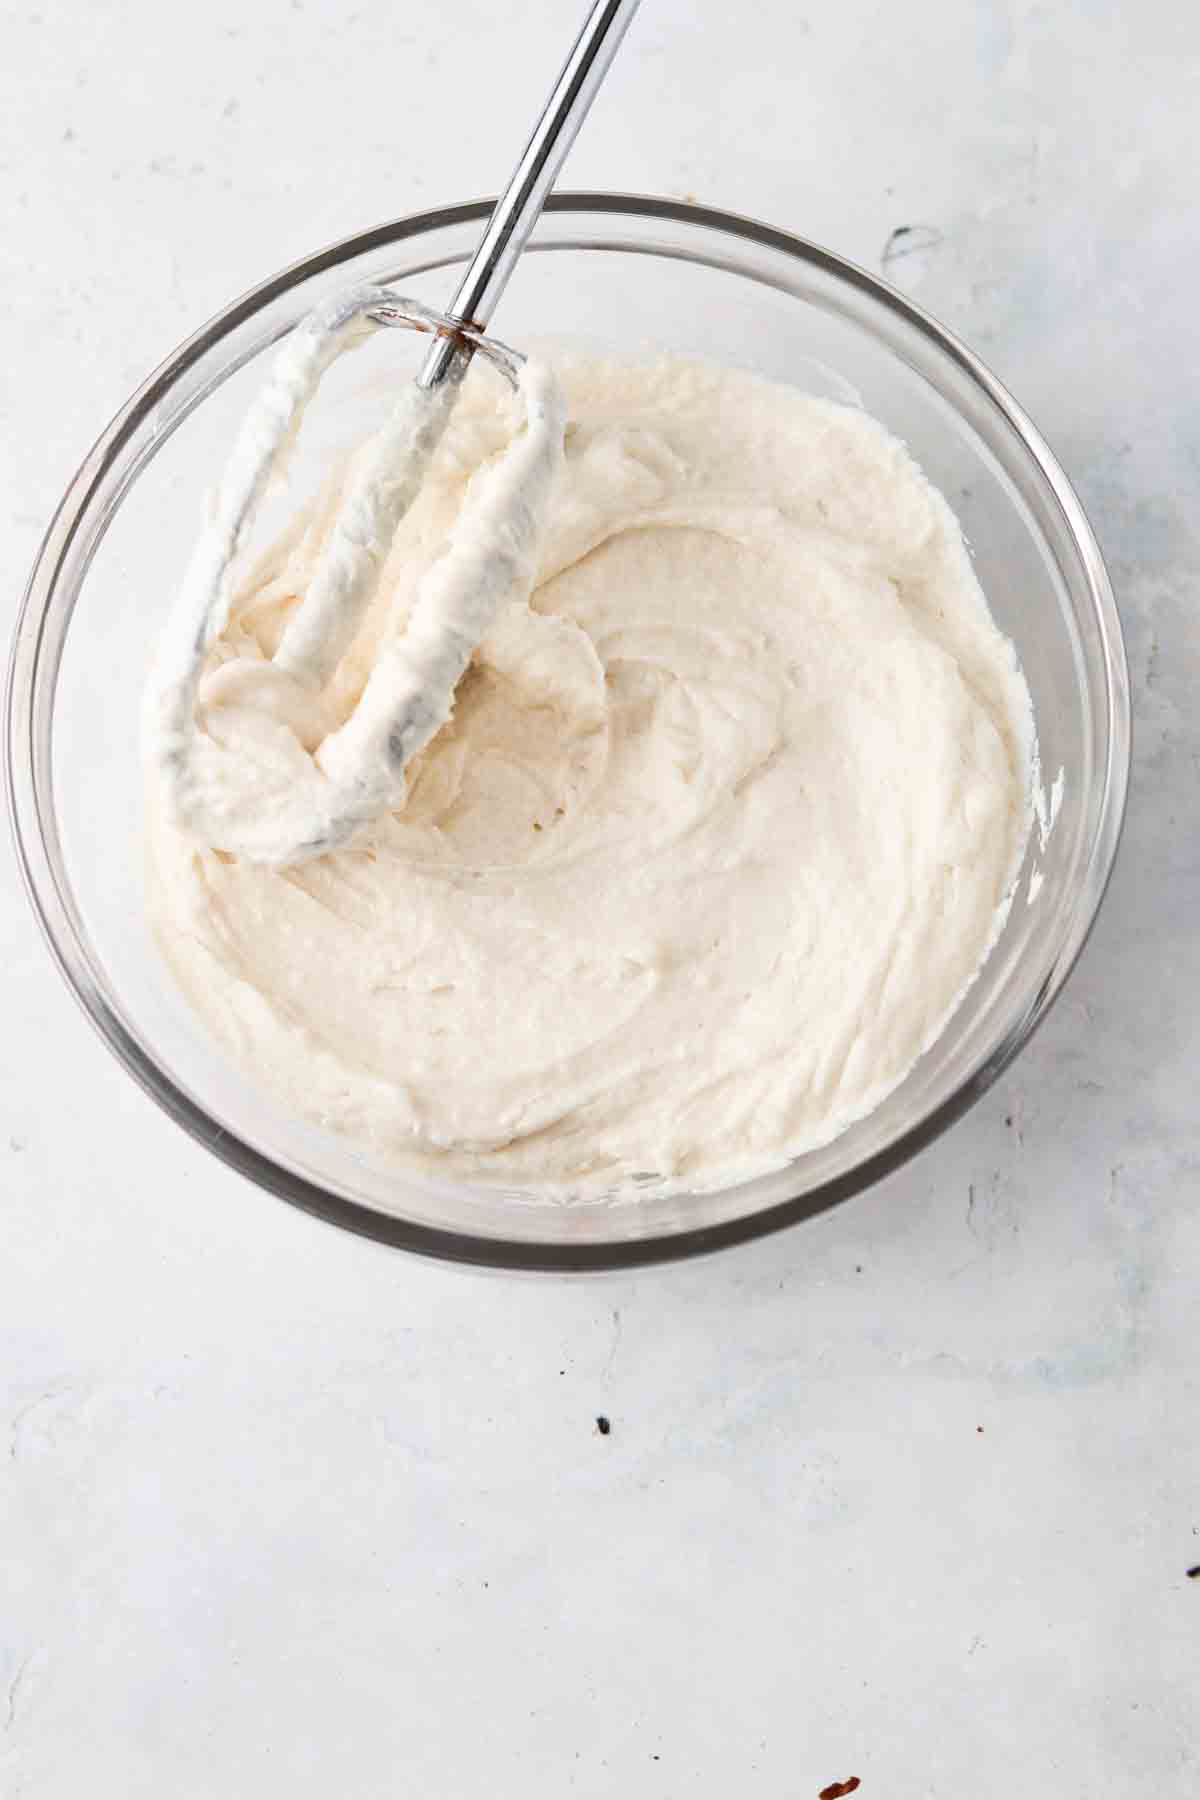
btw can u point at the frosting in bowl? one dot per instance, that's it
(725, 819)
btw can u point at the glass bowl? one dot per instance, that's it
(626, 274)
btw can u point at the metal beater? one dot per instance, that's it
(359, 774)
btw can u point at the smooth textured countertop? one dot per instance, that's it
(908, 1493)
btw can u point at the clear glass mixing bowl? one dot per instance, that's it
(628, 274)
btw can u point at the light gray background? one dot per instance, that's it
(908, 1493)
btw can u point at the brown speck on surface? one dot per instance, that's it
(536, 826)
(979, 1429)
(838, 1789)
(603, 1425)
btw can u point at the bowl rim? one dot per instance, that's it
(446, 1244)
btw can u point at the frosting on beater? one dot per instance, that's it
(281, 781)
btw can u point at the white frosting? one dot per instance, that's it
(281, 781)
(726, 817)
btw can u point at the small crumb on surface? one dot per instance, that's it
(1194, 1574)
(838, 1789)
(603, 1425)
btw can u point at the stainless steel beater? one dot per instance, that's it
(361, 764)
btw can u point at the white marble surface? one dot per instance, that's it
(908, 1493)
